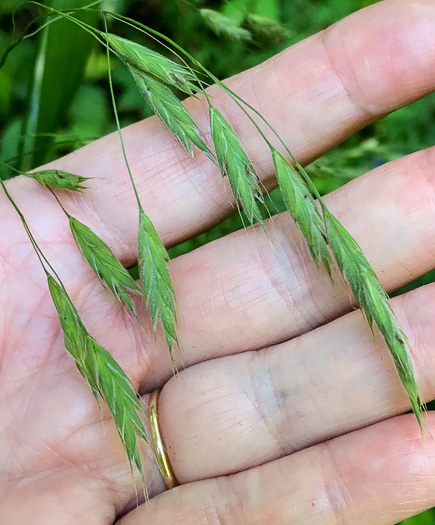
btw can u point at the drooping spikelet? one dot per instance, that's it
(156, 280)
(235, 164)
(102, 260)
(374, 302)
(105, 377)
(303, 209)
(147, 61)
(58, 179)
(172, 113)
(224, 26)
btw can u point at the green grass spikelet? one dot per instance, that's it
(157, 284)
(103, 374)
(303, 209)
(172, 113)
(150, 62)
(375, 305)
(235, 164)
(102, 260)
(108, 381)
(60, 180)
(224, 26)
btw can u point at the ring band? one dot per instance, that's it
(159, 448)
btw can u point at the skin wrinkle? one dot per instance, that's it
(338, 494)
(262, 402)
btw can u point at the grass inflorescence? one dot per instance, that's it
(303, 209)
(157, 284)
(103, 374)
(158, 78)
(102, 260)
(235, 164)
(58, 179)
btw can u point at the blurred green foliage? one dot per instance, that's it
(54, 92)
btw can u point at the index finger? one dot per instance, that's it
(316, 93)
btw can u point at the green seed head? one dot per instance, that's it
(58, 179)
(147, 61)
(156, 280)
(235, 164)
(102, 260)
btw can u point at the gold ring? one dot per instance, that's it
(159, 448)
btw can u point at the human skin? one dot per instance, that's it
(287, 409)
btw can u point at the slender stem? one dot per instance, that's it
(42, 259)
(26, 227)
(86, 27)
(58, 201)
(12, 168)
(112, 95)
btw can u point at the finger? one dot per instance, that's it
(241, 411)
(379, 475)
(316, 94)
(239, 293)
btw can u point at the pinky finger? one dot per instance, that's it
(379, 475)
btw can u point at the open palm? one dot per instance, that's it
(288, 408)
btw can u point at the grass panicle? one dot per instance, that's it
(109, 381)
(235, 164)
(172, 113)
(159, 67)
(73, 328)
(374, 303)
(303, 209)
(105, 377)
(157, 284)
(224, 27)
(266, 31)
(102, 260)
(57, 179)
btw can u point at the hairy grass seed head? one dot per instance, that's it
(172, 113)
(156, 280)
(374, 303)
(58, 179)
(236, 165)
(303, 209)
(109, 381)
(103, 374)
(151, 63)
(102, 260)
(266, 31)
(224, 26)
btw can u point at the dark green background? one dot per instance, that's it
(54, 92)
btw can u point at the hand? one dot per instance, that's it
(288, 409)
